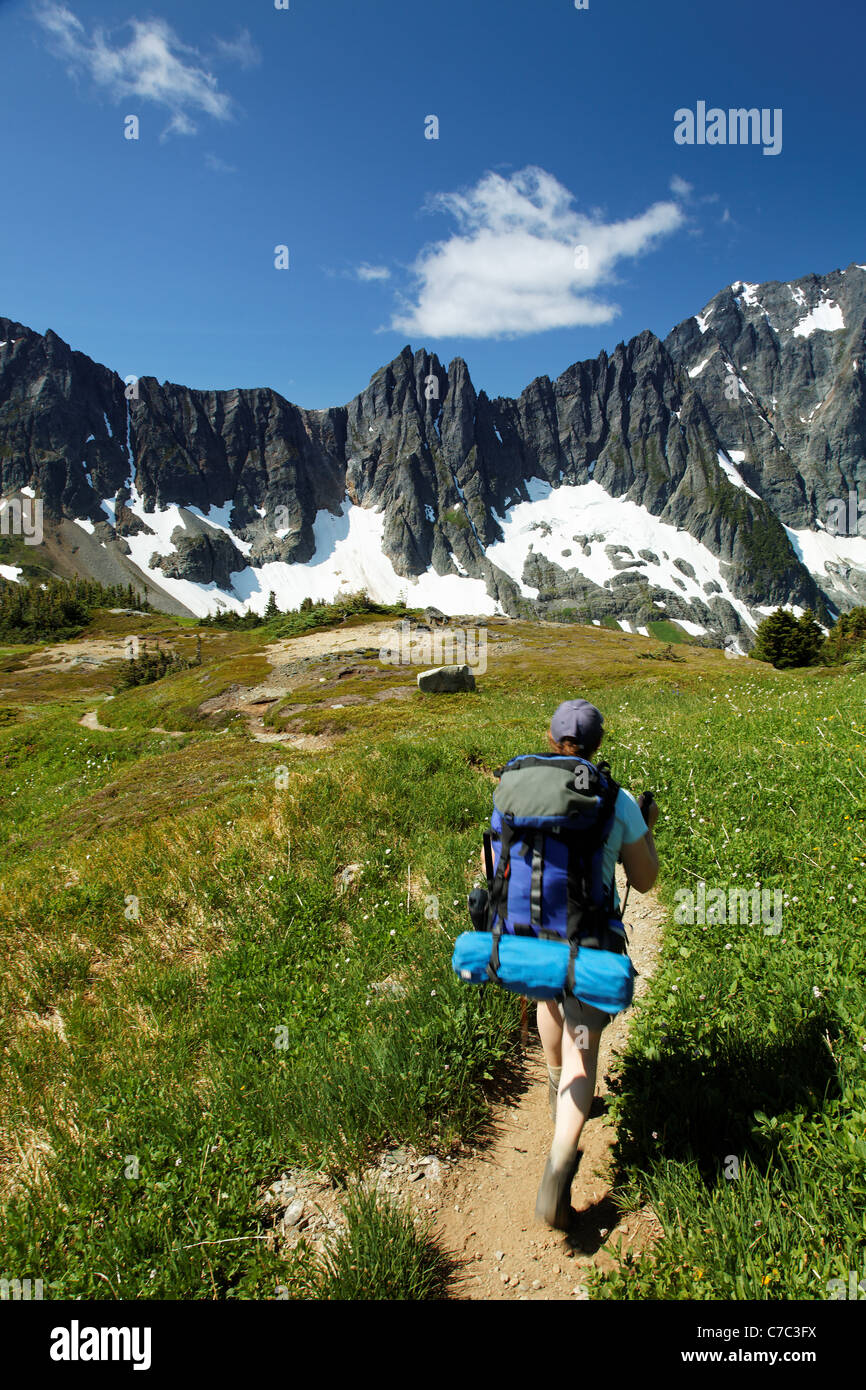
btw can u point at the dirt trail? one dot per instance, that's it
(484, 1207)
(91, 721)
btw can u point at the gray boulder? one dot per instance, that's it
(446, 680)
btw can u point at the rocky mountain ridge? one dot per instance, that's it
(688, 478)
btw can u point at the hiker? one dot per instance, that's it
(576, 730)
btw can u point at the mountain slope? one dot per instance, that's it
(688, 478)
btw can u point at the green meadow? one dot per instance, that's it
(192, 927)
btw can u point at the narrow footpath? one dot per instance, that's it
(484, 1206)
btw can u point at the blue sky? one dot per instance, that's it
(305, 127)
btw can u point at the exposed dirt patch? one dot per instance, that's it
(313, 664)
(368, 635)
(305, 743)
(85, 652)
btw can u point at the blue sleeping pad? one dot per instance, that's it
(539, 969)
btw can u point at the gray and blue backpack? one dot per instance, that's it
(546, 922)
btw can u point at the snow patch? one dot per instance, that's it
(85, 524)
(748, 295)
(727, 465)
(818, 548)
(348, 556)
(548, 522)
(696, 371)
(11, 572)
(702, 321)
(787, 608)
(826, 317)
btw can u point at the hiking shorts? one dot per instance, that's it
(577, 1013)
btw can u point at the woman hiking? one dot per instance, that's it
(570, 1031)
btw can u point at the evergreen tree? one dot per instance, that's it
(810, 639)
(786, 641)
(847, 637)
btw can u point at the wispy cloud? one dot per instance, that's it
(679, 187)
(240, 50)
(522, 260)
(218, 166)
(154, 65)
(372, 272)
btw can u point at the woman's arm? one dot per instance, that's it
(640, 860)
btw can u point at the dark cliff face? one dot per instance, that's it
(799, 408)
(444, 462)
(62, 418)
(206, 448)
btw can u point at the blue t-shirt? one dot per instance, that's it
(629, 826)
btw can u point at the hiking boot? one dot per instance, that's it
(553, 1204)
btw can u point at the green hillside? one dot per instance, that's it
(194, 925)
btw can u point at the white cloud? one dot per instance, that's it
(240, 50)
(679, 187)
(373, 272)
(219, 166)
(522, 261)
(153, 66)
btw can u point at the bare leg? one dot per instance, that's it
(550, 1030)
(579, 1052)
(576, 1091)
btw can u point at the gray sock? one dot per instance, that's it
(554, 1076)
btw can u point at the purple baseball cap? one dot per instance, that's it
(580, 720)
